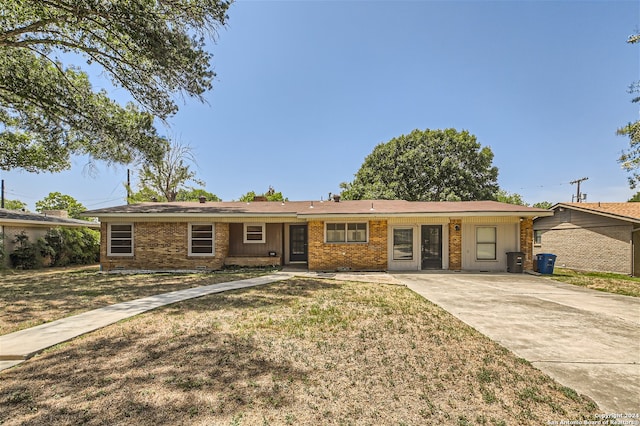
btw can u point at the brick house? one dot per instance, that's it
(360, 235)
(592, 236)
(35, 225)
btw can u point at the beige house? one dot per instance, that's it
(35, 225)
(592, 236)
(365, 235)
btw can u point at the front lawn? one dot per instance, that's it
(602, 281)
(29, 298)
(302, 351)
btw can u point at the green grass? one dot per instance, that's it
(601, 281)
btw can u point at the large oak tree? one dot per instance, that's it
(426, 165)
(49, 111)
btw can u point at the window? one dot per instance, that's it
(254, 233)
(403, 244)
(201, 239)
(120, 242)
(486, 243)
(537, 237)
(346, 232)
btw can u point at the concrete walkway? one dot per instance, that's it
(21, 345)
(585, 339)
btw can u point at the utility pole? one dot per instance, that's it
(128, 185)
(2, 196)
(578, 193)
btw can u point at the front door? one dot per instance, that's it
(431, 241)
(298, 243)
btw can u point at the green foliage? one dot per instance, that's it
(543, 205)
(58, 201)
(15, 205)
(168, 175)
(270, 195)
(635, 198)
(73, 246)
(630, 159)
(510, 198)
(144, 195)
(195, 194)
(26, 255)
(49, 111)
(429, 165)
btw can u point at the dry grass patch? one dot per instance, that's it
(302, 351)
(29, 298)
(602, 281)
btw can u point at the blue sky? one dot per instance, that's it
(306, 89)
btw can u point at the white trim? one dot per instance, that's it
(264, 233)
(109, 253)
(495, 243)
(213, 240)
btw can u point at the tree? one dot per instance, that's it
(510, 198)
(630, 159)
(48, 111)
(15, 205)
(429, 165)
(543, 205)
(58, 201)
(195, 194)
(270, 195)
(635, 198)
(168, 175)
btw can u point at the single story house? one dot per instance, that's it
(364, 235)
(35, 225)
(592, 236)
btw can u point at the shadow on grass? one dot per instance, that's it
(166, 368)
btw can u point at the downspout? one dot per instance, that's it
(633, 252)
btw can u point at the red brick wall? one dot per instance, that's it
(455, 245)
(164, 246)
(370, 256)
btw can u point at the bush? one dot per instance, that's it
(26, 255)
(78, 246)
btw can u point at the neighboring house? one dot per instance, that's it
(368, 235)
(592, 236)
(35, 225)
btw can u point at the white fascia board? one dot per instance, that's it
(443, 215)
(41, 223)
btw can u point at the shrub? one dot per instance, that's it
(79, 246)
(25, 255)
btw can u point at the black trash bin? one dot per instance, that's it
(515, 262)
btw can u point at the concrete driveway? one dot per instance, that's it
(585, 339)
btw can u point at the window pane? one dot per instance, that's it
(121, 228)
(254, 228)
(201, 239)
(486, 251)
(121, 250)
(357, 232)
(335, 232)
(403, 244)
(254, 237)
(486, 235)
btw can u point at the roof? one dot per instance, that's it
(323, 208)
(37, 219)
(623, 211)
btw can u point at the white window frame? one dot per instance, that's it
(393, 245)
(213, 240)
(263, 231)
(537, 235)
(495, 244)
(109, 240)
(346, 232)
